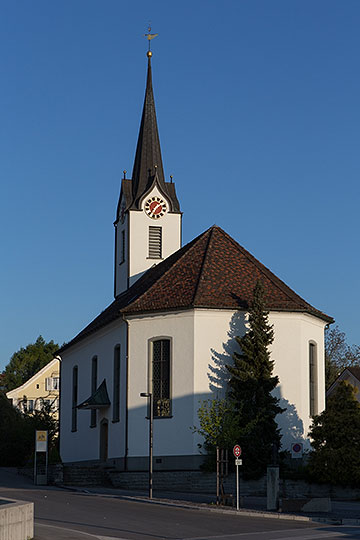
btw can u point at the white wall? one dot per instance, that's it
(214, 345)
(136, 227)
(172, 436)
(84, 443)
(290, 351)
(121, 268)
(202, 344)
(139, 224)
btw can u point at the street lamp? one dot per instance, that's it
(151, 420)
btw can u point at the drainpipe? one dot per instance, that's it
(127, 397)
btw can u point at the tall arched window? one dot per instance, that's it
(313, 379)
(161, 377)
(116, 385)
(74, 398)
(94, 371)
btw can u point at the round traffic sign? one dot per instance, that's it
(237, 450)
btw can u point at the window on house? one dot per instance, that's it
(30, 404)
(155, 242)
(94, 368)
(161, 378)
(74, 398)
(55, 405)
(313, 383)
(122, 252)
(52, 383)
(116, 385)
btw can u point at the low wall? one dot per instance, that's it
(16, 520)
(55, 473)
(199, 482)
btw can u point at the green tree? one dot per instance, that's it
(251, 385)
(17, 433)
(11, 428)
(338, 354)
(218, 423)
(335, 435)
(28, 361)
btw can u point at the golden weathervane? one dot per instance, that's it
(149, 37)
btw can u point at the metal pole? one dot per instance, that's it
(217, 477)
(237, 487)
(151, 420)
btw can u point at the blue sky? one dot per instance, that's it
(259, 120)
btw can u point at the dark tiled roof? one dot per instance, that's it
(354, 370)
(212, 271)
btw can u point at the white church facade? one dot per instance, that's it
(170, 331)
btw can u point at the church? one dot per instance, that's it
(170, 331)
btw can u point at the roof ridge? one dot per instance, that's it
(268, 273)
(211, 232)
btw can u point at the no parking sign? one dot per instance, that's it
(297, 450)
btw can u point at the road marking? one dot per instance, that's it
(80, 532)
(306, 534)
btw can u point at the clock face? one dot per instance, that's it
(155, 207)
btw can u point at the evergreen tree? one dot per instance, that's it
(251, 385)
(28, 361)
(335, 435)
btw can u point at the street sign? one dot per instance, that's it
(297, 450)
(41, 441)
(237, 451)
(237, 454)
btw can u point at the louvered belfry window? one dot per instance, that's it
(312, 379)
(155, 242)
(161, 378)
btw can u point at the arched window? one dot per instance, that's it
(161, 377)
(94, 370)
(313, 379)
(116, 385)
(74, 398)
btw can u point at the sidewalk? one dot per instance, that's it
(343, 512)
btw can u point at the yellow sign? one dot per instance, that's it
(41, 436)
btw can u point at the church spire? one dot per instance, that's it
(148, 161)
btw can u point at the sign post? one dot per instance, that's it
(238, 462)
(41, 458)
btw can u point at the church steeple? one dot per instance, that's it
(148, 218)
(148, 159)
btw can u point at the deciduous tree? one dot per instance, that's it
(28, 361)
(338, 354)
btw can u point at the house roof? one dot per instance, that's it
(354, 370)
(48, 367)
(213, 271)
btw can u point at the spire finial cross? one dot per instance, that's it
(150, 36)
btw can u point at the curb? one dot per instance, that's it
(220, 510)
(200, 506)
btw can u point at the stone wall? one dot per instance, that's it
(198, 482)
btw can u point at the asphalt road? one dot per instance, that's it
(62, 514)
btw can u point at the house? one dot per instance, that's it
(41, 389)
(170, 331)
(350, 375)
